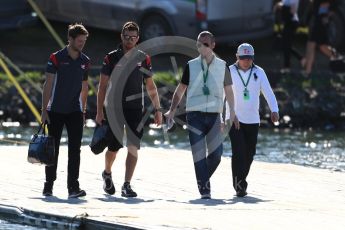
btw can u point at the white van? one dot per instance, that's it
(229, 20)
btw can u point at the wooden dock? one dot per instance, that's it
(280, 196)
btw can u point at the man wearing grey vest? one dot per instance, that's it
(206, 78)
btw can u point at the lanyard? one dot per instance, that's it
(250, 74)
(204, 75)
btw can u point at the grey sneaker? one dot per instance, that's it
(76, 193)
(108, 185)
(127, 190)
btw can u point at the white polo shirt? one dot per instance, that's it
(247, 109)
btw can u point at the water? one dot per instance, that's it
(4, 225)
(322, 149)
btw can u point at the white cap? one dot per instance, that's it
(245, 50)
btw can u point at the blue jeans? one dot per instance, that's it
(204, 132)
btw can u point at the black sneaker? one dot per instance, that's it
(241, 193)
(76, 193)
(48, 189)
(108, 185)
(127, 191)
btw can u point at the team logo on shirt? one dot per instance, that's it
(83, 66)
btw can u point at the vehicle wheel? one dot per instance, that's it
(154, 26)
(336, 32)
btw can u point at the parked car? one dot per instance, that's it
(15, 14)
(229, 20)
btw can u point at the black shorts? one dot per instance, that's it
(319, 31)
(134, 126)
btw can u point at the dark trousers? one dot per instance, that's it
(243, 143)
(205, 136)
(74, 125)
(288, 35)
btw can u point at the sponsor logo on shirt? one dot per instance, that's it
(83, 66)
(64, 63)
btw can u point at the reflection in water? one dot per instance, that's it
(310, 148)
(4, 225)
(322, 149)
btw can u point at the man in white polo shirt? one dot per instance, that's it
(249, 81)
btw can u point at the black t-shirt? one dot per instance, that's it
(133, 71)
(69, 74)
(185, 76)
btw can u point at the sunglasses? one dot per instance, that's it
(128, 37)
(199, 45)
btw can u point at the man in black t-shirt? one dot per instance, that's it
(64, 103)
(131, 105)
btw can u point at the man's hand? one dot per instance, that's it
(45, 117)
(158, 118)
(236, 123)
(99, 117)
(234, 120)
(169, 116)
(274, 117)
(84, 119)
(222, 127)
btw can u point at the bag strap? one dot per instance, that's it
(43, 128)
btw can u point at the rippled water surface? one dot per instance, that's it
(4, 225)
